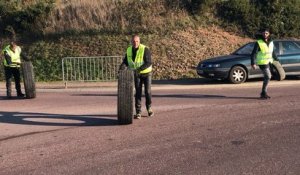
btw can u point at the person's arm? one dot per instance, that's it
(274, 55)
(124, 64)
(147, 60)
(7, 57)
(254, 53)
(24, 57)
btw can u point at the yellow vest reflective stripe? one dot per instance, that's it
(264, 56)
(15, 56)
(139, 61)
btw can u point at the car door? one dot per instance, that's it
(289, 56)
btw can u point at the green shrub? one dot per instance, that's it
(158, 18)
(281, 17)
(18, 17)
(46, 58)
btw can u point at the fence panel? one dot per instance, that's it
(88, 69)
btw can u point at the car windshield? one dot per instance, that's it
(245, 50)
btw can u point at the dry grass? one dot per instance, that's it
(112, 15)
(178, 55)
(80, 15)
(175, 53)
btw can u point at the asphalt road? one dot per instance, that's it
(198, 128)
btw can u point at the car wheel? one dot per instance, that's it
(125, 97)
(237, 75)
(277, 71)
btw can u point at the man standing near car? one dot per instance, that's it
(138, 59)
(263, 54)
(12, 63)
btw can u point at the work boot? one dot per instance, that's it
(150, 112)
(138, 116)
(264, 95)
(20, 94)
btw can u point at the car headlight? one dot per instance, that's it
(214, 65)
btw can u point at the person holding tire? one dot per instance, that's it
(138, 59)
(12, 63)
(263, 55)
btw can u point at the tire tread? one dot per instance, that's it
(125, 97)
(278, 73)
(28, 78)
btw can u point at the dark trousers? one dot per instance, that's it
(9, 73)
(267, 77)
(139, 81)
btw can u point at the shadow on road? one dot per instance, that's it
(201, 96)
(45, 119)
(176, 96)
(207, 81)
(12, 98)
(188, 81)
(92, 95)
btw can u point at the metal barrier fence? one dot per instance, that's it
(87, 69)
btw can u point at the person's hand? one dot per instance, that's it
(136, 72)
(122, 67)
(253, 66)
(26, 59)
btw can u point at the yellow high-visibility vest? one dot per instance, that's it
(264, 56)
(15, 56)
(139, 61)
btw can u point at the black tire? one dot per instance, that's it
(237, 75)
(278, 71)
(28, 78)
(125, 97)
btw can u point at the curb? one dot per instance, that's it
(156, 85)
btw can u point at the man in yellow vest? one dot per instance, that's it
(138, 59)
(263, 55)
(12, 63)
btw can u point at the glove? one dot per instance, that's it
(137, 71)
(24, 57)
(122, 67)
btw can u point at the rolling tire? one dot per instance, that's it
(28, 78)
(237, 75)
(125, 97)
(278, 71)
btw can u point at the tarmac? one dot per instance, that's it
(192, 83)
(110, 84)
